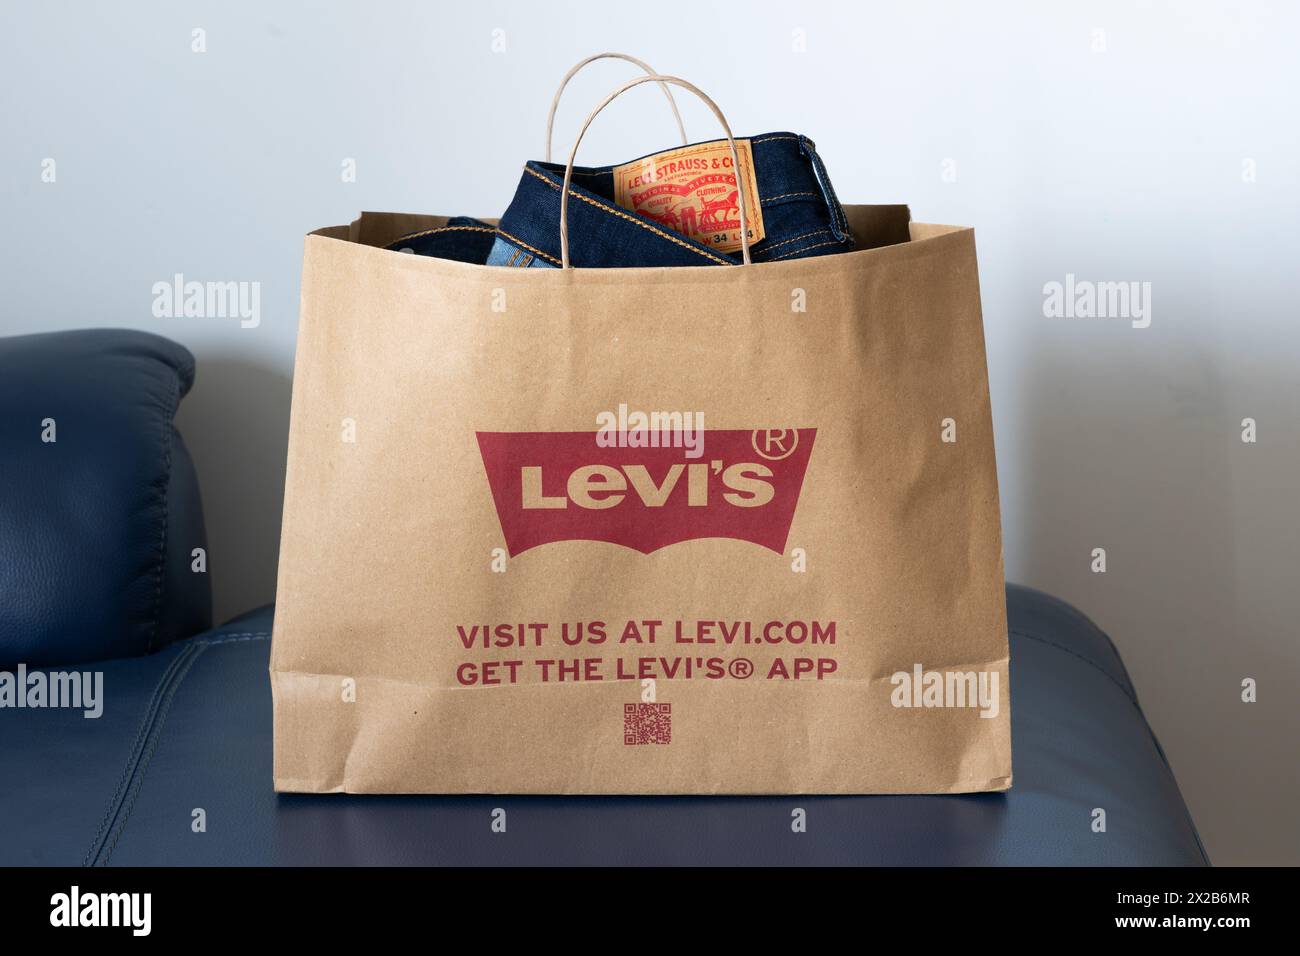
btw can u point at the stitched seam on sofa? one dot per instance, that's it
(1088, 622)
(632, 219)
(137, 784)
(132, 758)
(236, 638)
(186, 373)
(169, 437)
(1128, 691)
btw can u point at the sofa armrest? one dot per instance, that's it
(99, 501)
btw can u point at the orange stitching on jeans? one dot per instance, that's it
(795, 252)
(785, 196)
(631, 219)
(523, 245)
(786, 242)
(430, 232)
(768, 139)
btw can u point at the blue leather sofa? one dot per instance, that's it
(98, 532)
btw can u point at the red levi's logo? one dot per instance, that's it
(562, 486)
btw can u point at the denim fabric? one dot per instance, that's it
(463, 239)
(801, 216)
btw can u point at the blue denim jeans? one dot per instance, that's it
(462, 238)
(801, 216)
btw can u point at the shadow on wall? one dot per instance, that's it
(1138, 451)
(236, 424)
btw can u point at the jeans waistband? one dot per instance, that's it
(463, 239)
(801, 213)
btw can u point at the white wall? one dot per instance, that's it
(1125, 164)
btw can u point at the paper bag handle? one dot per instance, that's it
(731, 141)
(550, 117)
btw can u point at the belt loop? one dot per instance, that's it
(839, 224)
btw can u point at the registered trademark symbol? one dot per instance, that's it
(774, 444)
(741, 667)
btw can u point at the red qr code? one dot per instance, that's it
(647, 724)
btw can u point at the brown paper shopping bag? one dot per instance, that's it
(680, 530)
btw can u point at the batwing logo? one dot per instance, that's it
(561, 486)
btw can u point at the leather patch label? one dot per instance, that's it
(693, 190)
